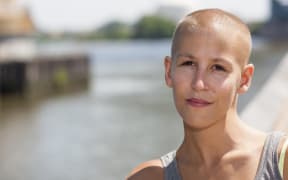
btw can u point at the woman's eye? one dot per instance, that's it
(218, 68)
(187, 63)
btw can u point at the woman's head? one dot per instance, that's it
(219, 21)
(208, 66)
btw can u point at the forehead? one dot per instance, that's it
(209, 20)
(225, 40)
(205, 41)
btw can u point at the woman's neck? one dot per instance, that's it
(208, 146)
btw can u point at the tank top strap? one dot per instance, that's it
(170, 166)
(267, 168)
(268, 165)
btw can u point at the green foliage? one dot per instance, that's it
(60, 78)
(153, 27)
(147, 27)
(113, 30)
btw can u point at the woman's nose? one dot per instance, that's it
(198, 82)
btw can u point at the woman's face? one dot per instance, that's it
(205, 76)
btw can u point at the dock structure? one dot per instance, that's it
(22, 69)
(268, 110)
(43, 74)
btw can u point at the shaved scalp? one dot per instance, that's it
(211, 19)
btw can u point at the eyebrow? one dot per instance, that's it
(223, 61)
(190, 56)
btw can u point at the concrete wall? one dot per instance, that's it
(44, 74)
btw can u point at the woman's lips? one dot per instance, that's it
(198, 102)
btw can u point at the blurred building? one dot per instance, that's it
(16, 30)
(279, 10)
(174, 10)
(277, 26)
(15, 19)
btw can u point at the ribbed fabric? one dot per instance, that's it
(268, 166)
(267, 169)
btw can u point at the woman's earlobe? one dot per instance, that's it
(168, 66)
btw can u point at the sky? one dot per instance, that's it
(84, 15)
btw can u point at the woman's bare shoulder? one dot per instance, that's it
(151, 170)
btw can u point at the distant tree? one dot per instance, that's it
(153, 27)
(114, 30)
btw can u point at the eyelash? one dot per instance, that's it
(216, 67)
(187, 63)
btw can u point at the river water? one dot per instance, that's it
(125, 117)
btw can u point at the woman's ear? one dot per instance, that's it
(246, 78)
(168, 66)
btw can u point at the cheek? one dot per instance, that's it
(181, 84)
(219, 78)
(228, 91)
(225, 82)
(181, 78)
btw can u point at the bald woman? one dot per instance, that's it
(207, 71)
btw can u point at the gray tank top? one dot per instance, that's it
(267, 169)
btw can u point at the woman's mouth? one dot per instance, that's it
(195, 102)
